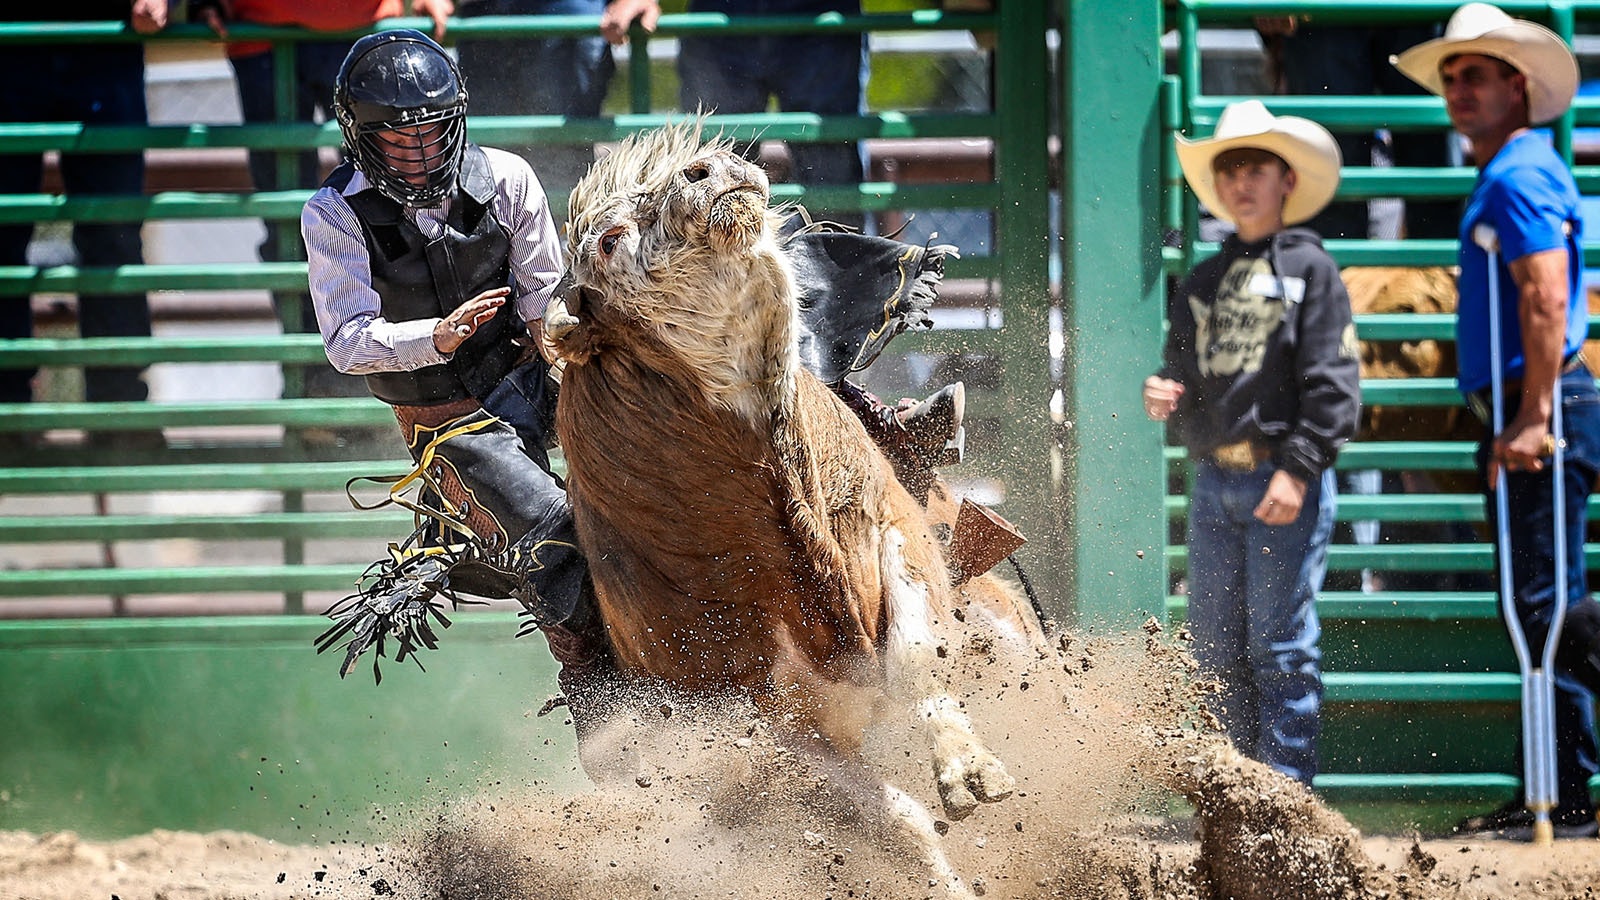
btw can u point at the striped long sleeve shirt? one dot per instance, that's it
(357, 337)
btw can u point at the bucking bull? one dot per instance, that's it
(742, 530)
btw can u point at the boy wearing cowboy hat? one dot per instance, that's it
(1499, 76)
(1259, 382)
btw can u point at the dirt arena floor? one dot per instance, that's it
(1124, 791)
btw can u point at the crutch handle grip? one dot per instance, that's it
(1484, 235)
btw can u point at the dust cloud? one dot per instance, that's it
(1125, 791)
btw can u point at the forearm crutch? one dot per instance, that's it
(1538, 687)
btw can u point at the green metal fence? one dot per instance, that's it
(184, 693)
(1014, 194)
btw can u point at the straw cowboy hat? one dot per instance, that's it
(1307, 147)
(1534, 50)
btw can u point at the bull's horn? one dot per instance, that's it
(558, 322)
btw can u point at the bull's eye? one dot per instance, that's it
(608, 242)
(697, 172)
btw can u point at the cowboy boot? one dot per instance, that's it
(592, 687)
(936, 425)
(915, 437)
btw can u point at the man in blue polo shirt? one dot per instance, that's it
(1499, 76)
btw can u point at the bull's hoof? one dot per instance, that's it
(964, 783)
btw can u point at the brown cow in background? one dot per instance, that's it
(1396, 289)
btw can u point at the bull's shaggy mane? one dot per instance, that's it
(689, 269)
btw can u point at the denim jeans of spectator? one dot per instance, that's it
(99, 85)
(540, 77)
(823, 74)
(1252, 611)
(1531, 501)
(316, 66)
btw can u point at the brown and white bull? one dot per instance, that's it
(742, 530)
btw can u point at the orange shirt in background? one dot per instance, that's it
(319, 15)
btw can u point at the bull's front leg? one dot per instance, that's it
(966, 772)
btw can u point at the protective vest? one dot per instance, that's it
(418, 278)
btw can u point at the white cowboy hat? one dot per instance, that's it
(1307, 147)
(1534, 50)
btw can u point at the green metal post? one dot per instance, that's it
(1022, 169)
(1112, 306)
(1189, 80)
(638, 70)
(1563, 23)
(285, 79)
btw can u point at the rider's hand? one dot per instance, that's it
(453, 330)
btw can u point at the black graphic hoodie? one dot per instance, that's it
(1261, 338)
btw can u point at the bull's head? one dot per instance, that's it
(672, 252)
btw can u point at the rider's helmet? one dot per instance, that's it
(402, 108)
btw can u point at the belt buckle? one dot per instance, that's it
(1237, 457)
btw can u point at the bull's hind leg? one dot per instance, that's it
(916, 824)
(895, 820)
(965, 771)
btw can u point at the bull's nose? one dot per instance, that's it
(726, 168)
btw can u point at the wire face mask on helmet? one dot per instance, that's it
(402, 109)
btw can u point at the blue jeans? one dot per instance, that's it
(316, 66)
(1531, 505)
(1252, 611)
(98, 85)
(823, 74)
(540, 77)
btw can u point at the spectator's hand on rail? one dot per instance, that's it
(1281, 504)
(1161, 397)
(149, 16)
(619, 16)
(439, 11)
(453, 330)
